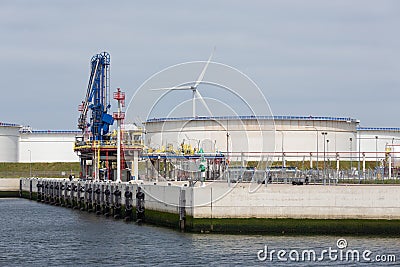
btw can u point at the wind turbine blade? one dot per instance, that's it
(172, 88)
(203, 72)
(204, 102)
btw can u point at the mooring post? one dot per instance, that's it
(30, 188)
(140, 209)
(182, 209)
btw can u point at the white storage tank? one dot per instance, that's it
(48, 146)
(9, 142)
(295, 136)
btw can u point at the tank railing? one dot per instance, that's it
(254, 117)
(106, 143)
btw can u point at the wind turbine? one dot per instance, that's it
(195, 93)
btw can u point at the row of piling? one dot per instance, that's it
(102, 198)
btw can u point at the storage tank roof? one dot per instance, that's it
(5, 124)
(383, 129)
(309, 118)
(56, 131)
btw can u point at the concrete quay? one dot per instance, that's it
(9, 187)
(238, 208)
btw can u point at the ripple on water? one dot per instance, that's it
(35, 234)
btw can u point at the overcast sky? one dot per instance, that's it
(320, 58)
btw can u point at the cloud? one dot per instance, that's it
(316, 57)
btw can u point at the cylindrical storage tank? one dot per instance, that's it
(48, 146)
(294, 136)
(9, 142)
(375, 143)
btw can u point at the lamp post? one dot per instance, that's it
(227, 145)
(327, 159)
(30, 163)
(376, 155)
(317, 150)
(359, 157)
(324, 134)
(227, 158)
(351, 156)
(282, 149)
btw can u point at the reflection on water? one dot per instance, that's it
(35, 234)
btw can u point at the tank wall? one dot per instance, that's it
(47, 147)
(374, 144)
(289, 136)
(9, 144)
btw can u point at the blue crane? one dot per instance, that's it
(97, 99)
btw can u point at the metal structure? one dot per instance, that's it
(119, 117)
(97, 99)
(99, 149)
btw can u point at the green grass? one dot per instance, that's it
(344, 164)
(38, 169)
(377, 181)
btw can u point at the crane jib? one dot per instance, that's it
(97, 99)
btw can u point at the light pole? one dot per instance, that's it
(327, 158)
(317, 150)
(324, 134)
(351, 156)
(30, 163)
(359, 157)
(390, 159)
(282, 149)
(376, 155)
(227, 158)
(227, 145)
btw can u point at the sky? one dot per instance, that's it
(313, 57)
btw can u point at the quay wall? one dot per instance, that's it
(272, 201)
(9, 187)
(9, 184)
(298, 202)
(242, 208)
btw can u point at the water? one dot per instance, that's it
(35, 234)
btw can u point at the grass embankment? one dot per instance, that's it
(305, 165)
(39, 169)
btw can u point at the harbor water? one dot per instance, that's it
(34, 234)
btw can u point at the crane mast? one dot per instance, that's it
(105, 154)
(97, 99)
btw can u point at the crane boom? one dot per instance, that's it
(97, 99)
